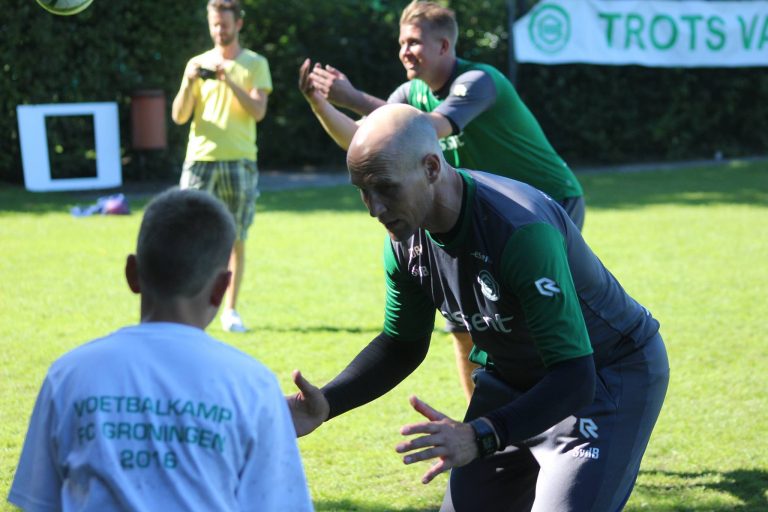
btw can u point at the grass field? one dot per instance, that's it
(691, 245)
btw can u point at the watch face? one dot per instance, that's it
(488, 444)
(485, 438)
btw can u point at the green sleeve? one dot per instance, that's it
(409, 313)
(535, 267)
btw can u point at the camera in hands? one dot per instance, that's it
(206, 74)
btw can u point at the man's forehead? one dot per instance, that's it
(413, 28)
(370, 177)
(221, 15)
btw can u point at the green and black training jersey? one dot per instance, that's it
(517, 273)
(503, 138)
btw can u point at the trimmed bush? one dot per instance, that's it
(592, 114)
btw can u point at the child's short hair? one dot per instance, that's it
(186, 236)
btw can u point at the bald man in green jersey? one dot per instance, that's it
(481, 120)
(576, 371)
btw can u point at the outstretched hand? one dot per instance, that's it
(311, 94)
(309, 407)
(451, 442)
(333, 85)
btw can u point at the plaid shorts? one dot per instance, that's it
(235, 183)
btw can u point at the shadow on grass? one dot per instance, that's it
(733, 183)
(748, 486)
(320, 329)
(16, 199)
(736, 182)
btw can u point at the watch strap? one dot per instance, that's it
(485, 437)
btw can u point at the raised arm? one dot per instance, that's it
(338, 125)
(184, 102)
(472, 93)
(254, 101)
(334, 86)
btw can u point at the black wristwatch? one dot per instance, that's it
(485, 437)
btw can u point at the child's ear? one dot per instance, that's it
(132, 273)
(220, 287)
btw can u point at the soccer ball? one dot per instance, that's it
(64, 7)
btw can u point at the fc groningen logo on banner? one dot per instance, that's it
(658, 33)
(550, 28)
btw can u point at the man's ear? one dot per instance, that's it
(445, 45)
(431, 167)
(220, 285)
(132, 273)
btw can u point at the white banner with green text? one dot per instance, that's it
(654, 33)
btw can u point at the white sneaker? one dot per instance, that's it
(231, 321)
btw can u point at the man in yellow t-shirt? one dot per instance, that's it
(224, 91)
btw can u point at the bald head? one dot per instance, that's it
(396, 162)
(393, 138)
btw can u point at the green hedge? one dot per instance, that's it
(592, 114)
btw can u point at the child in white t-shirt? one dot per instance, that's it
(160, 416)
